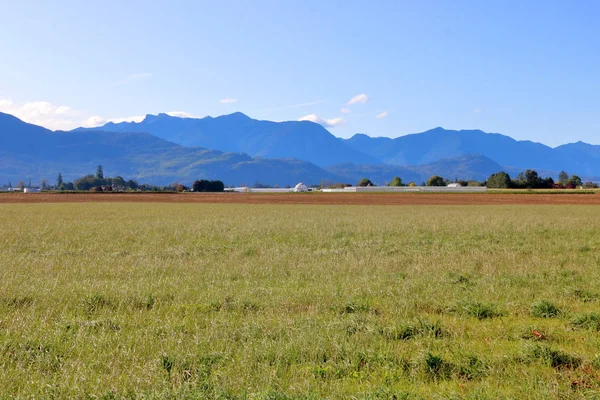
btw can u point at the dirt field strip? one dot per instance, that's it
(312, 198)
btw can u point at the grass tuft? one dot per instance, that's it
(476, 309)
(589, 321)
(544, 309)
(553, 357)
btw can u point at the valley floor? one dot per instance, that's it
(131, 300)
(497, 197)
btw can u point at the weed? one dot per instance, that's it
(355, 307)
(96, 302)
(18, 302)
(436, 367)
(472, 367)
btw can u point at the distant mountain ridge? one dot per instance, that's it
(467, 167)
(439, 143)
(311, 142)
(30, 151)
(237, 132)
(134, 150)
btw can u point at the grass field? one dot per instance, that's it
(112, 300)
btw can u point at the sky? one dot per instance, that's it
(527, 69)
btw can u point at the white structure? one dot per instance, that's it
(454, 185)
(408, 189)
(31, 190)
(300, 187)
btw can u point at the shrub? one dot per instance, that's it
(544, 309)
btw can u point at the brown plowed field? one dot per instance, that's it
(309, 198)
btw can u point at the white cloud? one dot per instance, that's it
(133, 78)
(228, 101)
(63, 109)
(42, 113)
(327, 123)
(93, 121)
(382, 115)
(360, 98)
(345, 111)
(180, 114)
(96, 120)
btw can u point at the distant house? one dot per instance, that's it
(454, 185)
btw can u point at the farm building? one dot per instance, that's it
(408, 189)
(301, 187)
(31, 190)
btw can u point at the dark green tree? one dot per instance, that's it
(59, 181)
(365, 182)
(99, 172)
(118, 181)
(532, 179)
(436, 180)
(208, 186)
(396, 181)
(88, 182)
(575, 180)
(500, 180)
(132, 185)
(563, 178)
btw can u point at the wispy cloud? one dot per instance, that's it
(345, 111)
(133, 78)
(327, 123)
(382, 115)
(181, 114)
(293, 106)
(228, 101)
(42, 113)
(358, 99)
(97, 120)
(477, 110)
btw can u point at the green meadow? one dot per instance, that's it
(113, 300)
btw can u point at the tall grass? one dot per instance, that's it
(237, 301)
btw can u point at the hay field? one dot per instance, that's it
(114, 300)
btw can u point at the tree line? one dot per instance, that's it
(100, 183)
(530, 179)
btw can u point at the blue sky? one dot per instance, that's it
(527, 69)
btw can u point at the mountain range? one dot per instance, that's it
(243, 151)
